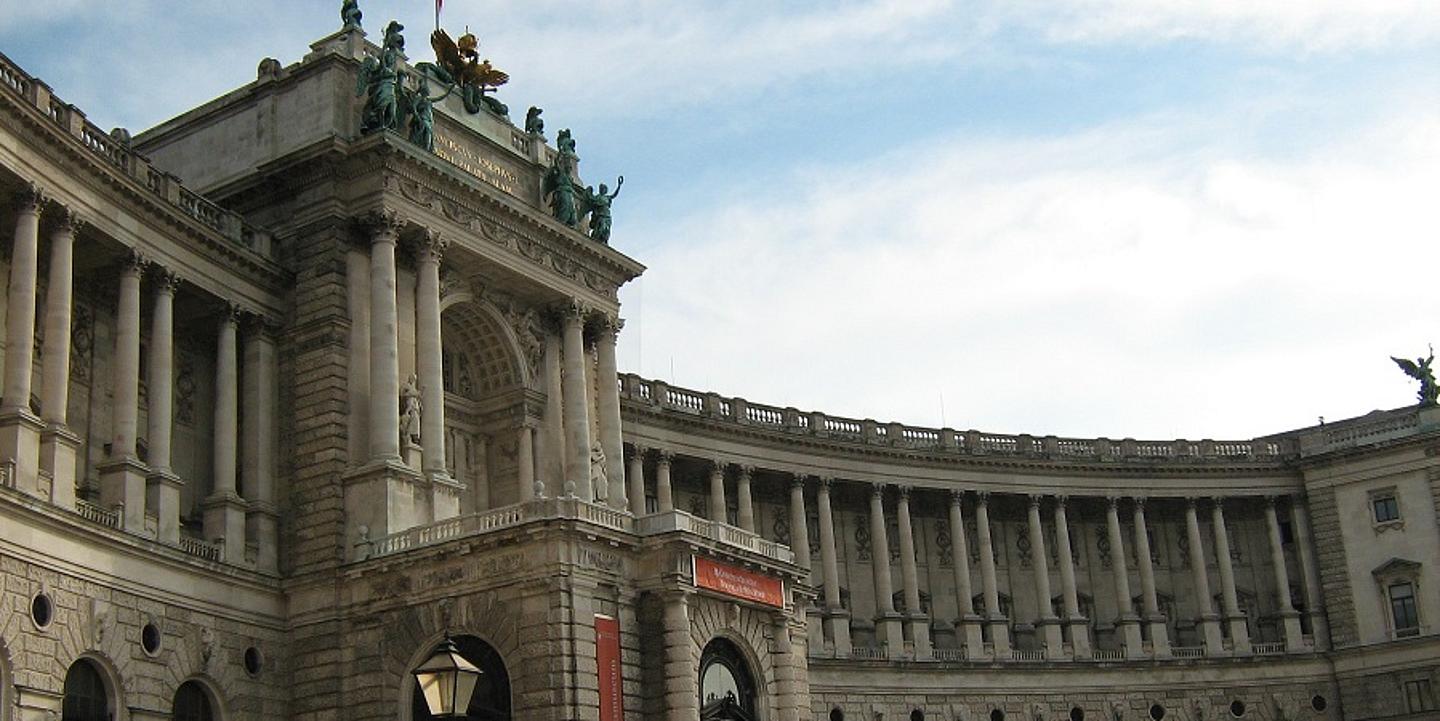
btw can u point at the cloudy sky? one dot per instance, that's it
(1147, 218)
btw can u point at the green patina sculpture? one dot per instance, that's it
(422, 116)
(379, 80)
(350, 14)
(560, 188)
(1419, 369)
(533, 123)
(599, 209)
(458, 65)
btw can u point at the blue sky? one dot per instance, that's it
(1081, 217)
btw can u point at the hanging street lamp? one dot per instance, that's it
(447, 680)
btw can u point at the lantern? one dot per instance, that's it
(447, 680)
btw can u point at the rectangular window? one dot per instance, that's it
(1402, 609)
(1386, 508)
(1419, 696)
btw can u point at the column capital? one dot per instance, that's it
(905, 491)
(797, 481)
(638, 451)
(1112, 502)
(66, 220)
(166, 280)
(664, 457)
(1272, 501)
(982, 498)
(1139, 503)
(1192, 502)
(747, 471)
(1036, 499)
(718, 465)
(1060, 501)
(382, 225)
(29, 198)
(133, 262)
(825, 483)
(572, 310)
(430, 245)
(1218, 503)
(877, 490)
(957, 496)
(261, 324)
(231, 312)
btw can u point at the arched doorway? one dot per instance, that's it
(727, 688)
(192, 703)
(491, 700)
(87, 696)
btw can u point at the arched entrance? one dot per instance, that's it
(727, 688)
(491, 700)
(87, 695)
(192, 703)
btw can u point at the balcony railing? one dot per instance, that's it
(1268, 649)
(95, 514)
(723, 533)
(869, 653)
(472, 524)
(1187, 651)
(202, 549)
(950, 654)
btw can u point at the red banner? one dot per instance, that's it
(607, 659)
(739, 583)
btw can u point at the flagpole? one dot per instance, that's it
(438, 3)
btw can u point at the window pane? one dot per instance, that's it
(1402, 606)
(1386, 509)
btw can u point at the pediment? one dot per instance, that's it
(1396, 567)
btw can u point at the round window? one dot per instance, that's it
(1237, 708)
(917, 715)
(42, 610)
(837, 715)
(253, 661)
(1157, 712)
(1317, 702)
(150, 639)
(997, 715)
(1077, 714)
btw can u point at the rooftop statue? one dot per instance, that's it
(350, 14)
(598, 205)
(458, 64)
(533, 123)
(560, 187)
(1419, 369)
(422, 116)
(379, 80)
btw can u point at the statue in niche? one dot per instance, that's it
(1419, 369)
(379, 81)
(533, 123)
(599, 474)
(598, 206)
(560, 188)
(410, 412)
(350, 14)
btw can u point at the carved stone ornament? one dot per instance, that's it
(66, 220)
(430, 246)
(381, 226)
(29, 198)
(134, 262)
(166, 281)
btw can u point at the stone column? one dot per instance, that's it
(635, 476)
(577, 411)
(785, 677)
(1310, 574)
(999, 624)
(1159, 632)
(261, 381)
(19, 427)
(682, 691)
(122, 477)
(837, 616)
(525, 459)
(607, 405)
(164, 485)
(1209, 621)
(799, 531)
(887, 622)
(384, 342)
(58, 444)
(1294, 637)
(225, 509)
(664, 492)
(745, 513)
(1239, 633)
(717, 491)
(1079, 625)
(968, 622)
(429, 357)
(357, 284)
(1047, 623)
(918, 620)
(552, 448)
(1127, 625)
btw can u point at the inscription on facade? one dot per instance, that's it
(473, 161)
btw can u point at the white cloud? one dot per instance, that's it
(1179, 284)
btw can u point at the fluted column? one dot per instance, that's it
(837, 617)
(1047, 622)
(122, 477)
(261, 380)
(1127, 625)
(1078, 625)
(58, 444)
(19, 427)
(909, 576)
(717, 491)
(1310, 575)
(164, 485)
(664, 491)
(1289, 617)
(968, 622)
(999, 624)
(607, 404)
(577, 411)
(429, 358)
(746, 508)
(1234, 618)
(384, 341)
(1159, 631)
(635, 476)
(1209, 621)
(224, 509)
(357, 288)
(887, 622)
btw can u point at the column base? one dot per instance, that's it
(1212, 634)
(122, 483)
(1159, 636)
(1127, 628)
(1000, 636)
(380, 499)
(1319, 631)
(1294, 636)
(262, 523)
(1239, 636)
(59, 450)
(163, 494)
(444, 495)
(225, 523)
(1051, 637)
(815, 628)
(890, 630)
(20, 443)
(1079, 637)
(920, 635)
(839, 623)
(968, 632)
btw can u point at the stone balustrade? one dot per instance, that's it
(473, 524)
(666, 398)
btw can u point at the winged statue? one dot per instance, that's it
(459, 65)
(1419, 369)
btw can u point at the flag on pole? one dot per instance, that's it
(438, 5)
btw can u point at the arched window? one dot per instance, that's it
(192, 703)
(727, 690)
(86, 698)
(491, 698)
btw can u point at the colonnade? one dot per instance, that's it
(1061, 633)
(145, 492)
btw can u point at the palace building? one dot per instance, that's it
(305, 382)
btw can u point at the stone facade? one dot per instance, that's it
(215, 477)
